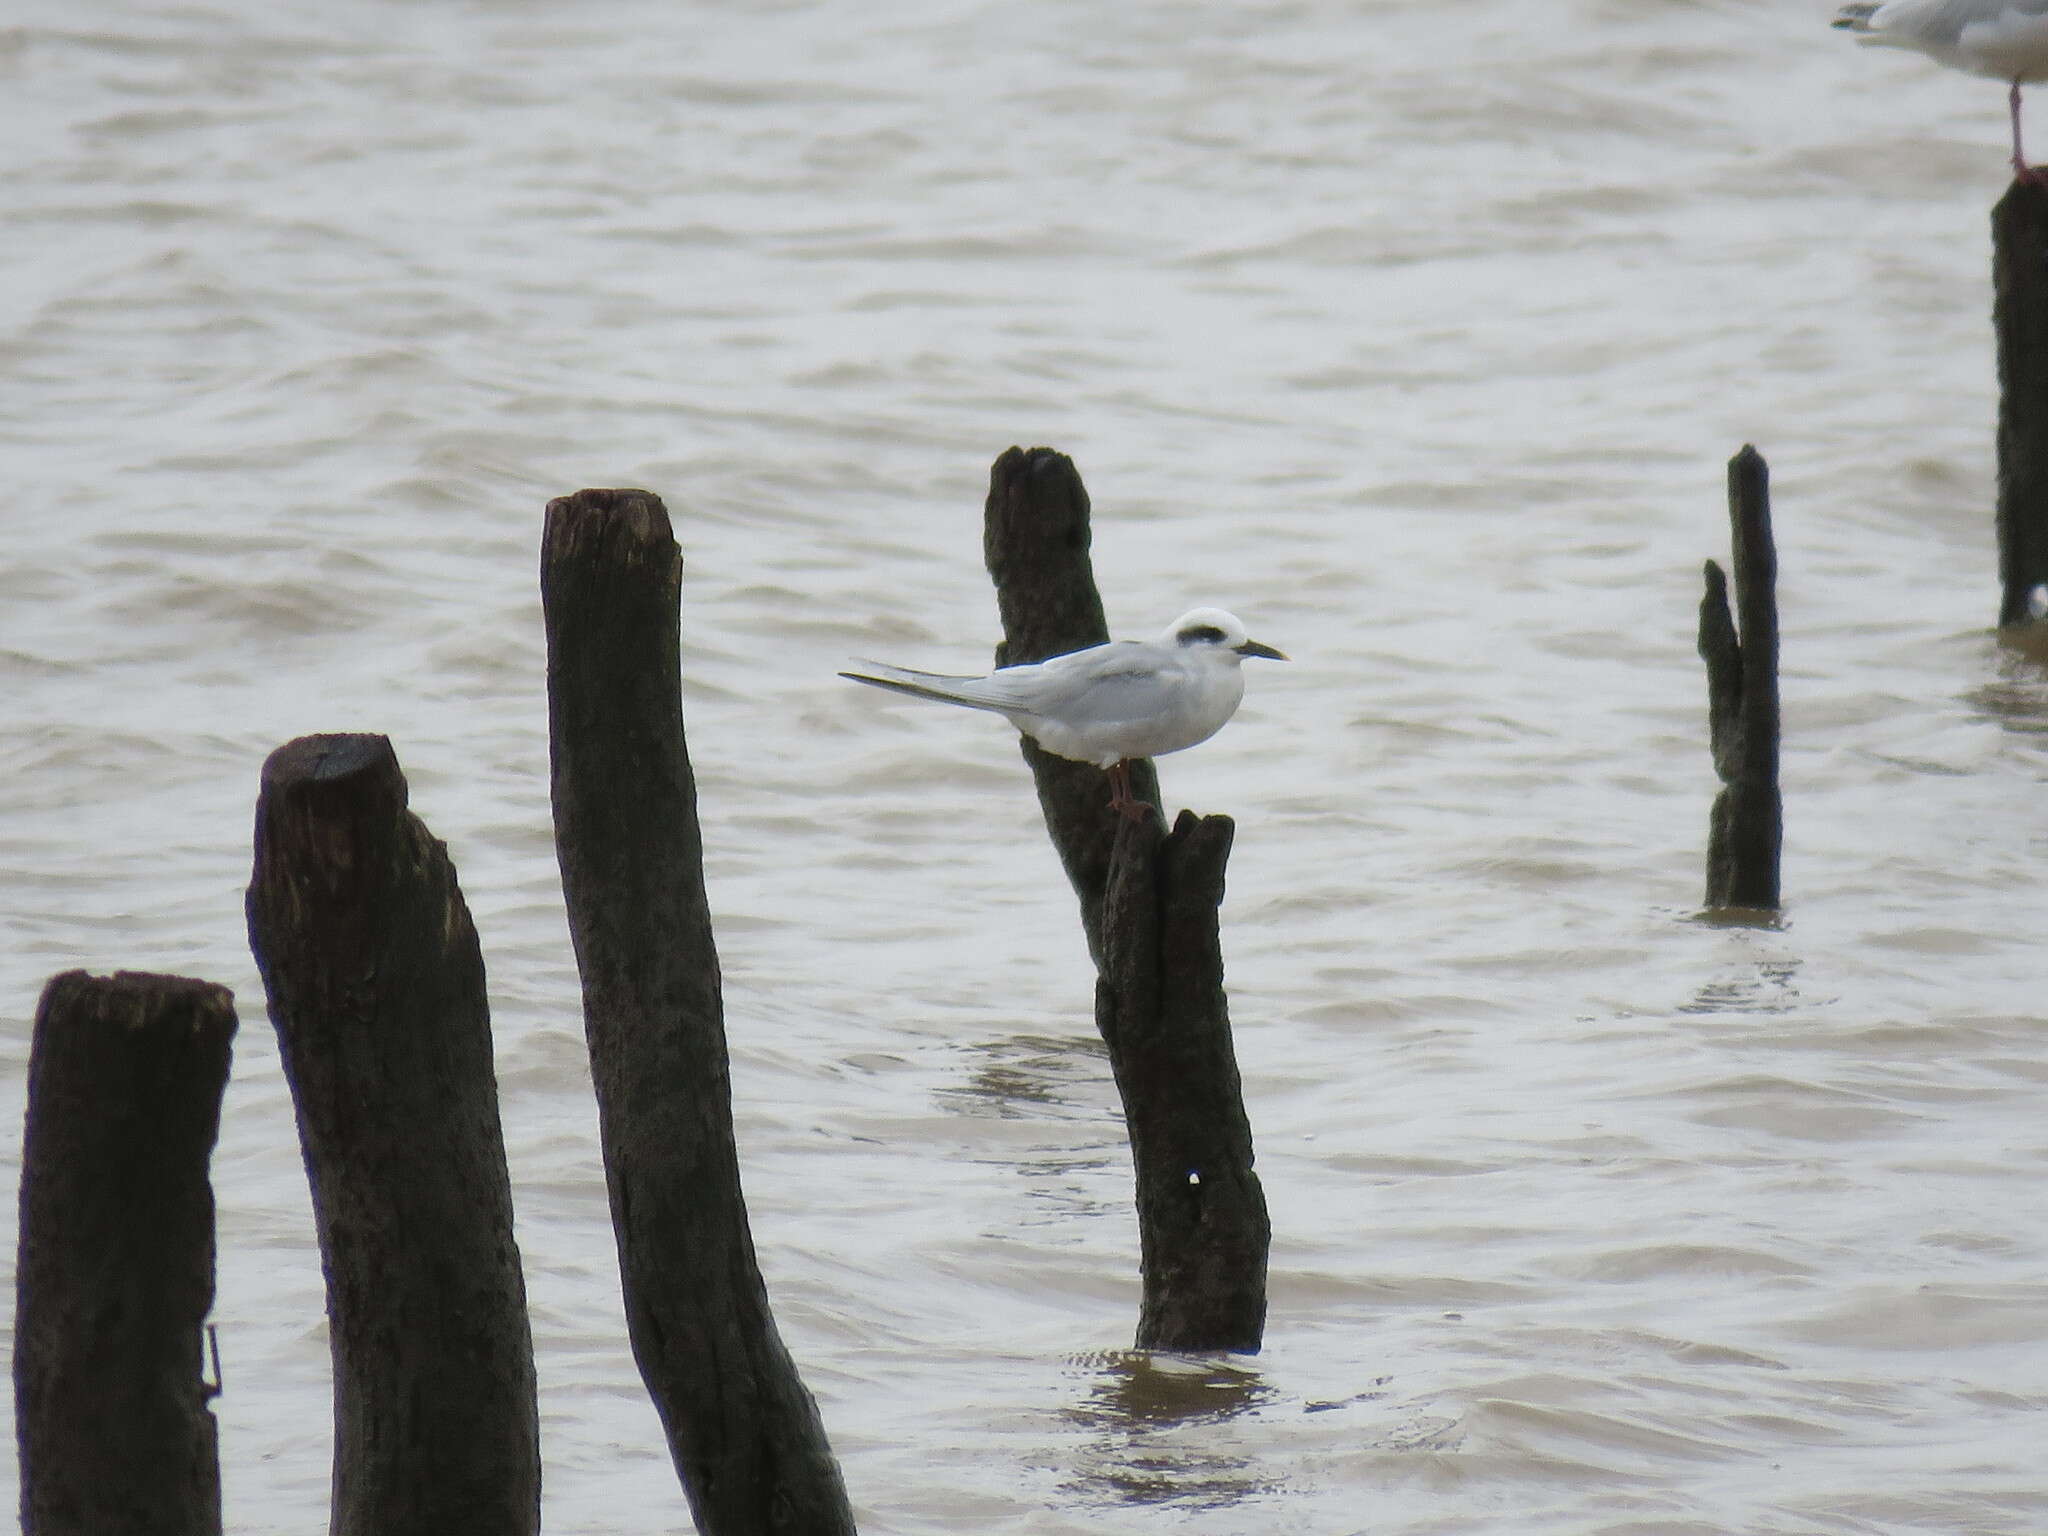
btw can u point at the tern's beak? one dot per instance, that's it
(1254, 648)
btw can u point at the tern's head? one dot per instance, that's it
(1214, 629)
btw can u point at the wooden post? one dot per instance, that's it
(1148, 905)
(115, 1272)
(745, 1435)
(1202, 1226)
(1035, 539)
(376, 988)
(2019, 278)
(1746, 828)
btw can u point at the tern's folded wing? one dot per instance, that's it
(1105, 694)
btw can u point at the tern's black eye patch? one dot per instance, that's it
(1201, 634)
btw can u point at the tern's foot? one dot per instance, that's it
(1121, 800)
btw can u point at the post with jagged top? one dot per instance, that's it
(1149, 904)
(2019, 278)
(744, 1434)
(376, 987)
(1746, 829)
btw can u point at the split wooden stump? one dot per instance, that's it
(1746, 829)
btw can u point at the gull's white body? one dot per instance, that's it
(2003, 39)
(1109, 703)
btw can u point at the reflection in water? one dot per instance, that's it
(1740, 917)
(1140, 1409)
(2018, 701)
(1764, 986)
(1023, 1076)
(1061, 1128)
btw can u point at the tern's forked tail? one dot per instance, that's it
(972, 692)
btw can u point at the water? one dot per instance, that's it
(1418, 336)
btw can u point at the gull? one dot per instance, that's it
(1108, 703)
(2003, 39)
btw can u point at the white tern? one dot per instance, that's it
(1108, 703)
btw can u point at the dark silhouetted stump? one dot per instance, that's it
(2019, 277)
(376, 989)
(1747, 825)
(1148, 904)
(1035, 541)
(1202, 1225)
(745, 1435)
(114, 1276)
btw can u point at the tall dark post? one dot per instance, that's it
(1202, 1226)
(745, 1435)
(1149, 906)
(1035, 539)
(115, 1272)
(1747, 825)
(376, 988)
(2019, 278)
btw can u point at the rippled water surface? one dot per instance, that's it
(1417, 334)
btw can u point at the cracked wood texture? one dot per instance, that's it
(746, 1437)
(115, 1272)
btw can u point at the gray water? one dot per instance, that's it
(1416, 334)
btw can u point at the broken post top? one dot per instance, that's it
(133, 999)
(331, 796)
(334, 760)
(611, 526)
(611, 583)
(1035, 541)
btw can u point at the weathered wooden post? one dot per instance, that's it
(1746, 828)
(114, 1277)
(1149, 904)
(376, 988)
(745, 1435)
(2019, 278)
(1035, 539)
